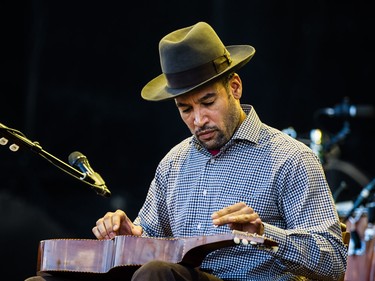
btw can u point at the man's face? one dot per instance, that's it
(212, 113)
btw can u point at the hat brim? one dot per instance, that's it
(157, 89)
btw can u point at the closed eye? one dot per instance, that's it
(186, 110)
(208, 103)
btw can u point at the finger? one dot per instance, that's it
(105, 225)
(137, 230)
(255, 226)
(237, 218)
(97, 233)
(230, 213)
(117, 218)
(126, 225)
(228, 210)
(99, 230)
(243, 218)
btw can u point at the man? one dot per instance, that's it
(233, 173)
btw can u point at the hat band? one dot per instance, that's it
(198, 74)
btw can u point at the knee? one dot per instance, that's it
(156, 266)
(153, 270)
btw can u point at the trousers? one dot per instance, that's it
(153, 271)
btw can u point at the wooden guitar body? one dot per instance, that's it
(125, 253)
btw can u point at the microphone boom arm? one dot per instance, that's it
(21, 140)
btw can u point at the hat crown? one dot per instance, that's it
(191, 57)
(189, 47)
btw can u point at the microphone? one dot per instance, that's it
(350, 110)
(362, 197)
(79, 161)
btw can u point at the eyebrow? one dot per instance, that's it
(200, 100)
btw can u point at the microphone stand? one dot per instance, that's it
(362, 197)
(20, 139)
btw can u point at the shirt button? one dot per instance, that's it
(205, 192)
(212, 160)
(199, 226)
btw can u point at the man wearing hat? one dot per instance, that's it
(233, 173)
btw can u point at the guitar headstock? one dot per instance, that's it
(259, 241)
(16, 139)
(13, 147)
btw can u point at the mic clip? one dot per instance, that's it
(96, 182)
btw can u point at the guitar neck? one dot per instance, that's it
(197, 248)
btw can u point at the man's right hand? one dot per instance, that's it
(115, 223)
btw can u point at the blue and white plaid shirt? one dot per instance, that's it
(276, 175)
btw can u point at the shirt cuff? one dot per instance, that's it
(277, 234)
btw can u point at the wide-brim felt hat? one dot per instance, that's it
(191, 57)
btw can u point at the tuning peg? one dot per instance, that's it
(14, 147)
(245, 242)
(3, 141)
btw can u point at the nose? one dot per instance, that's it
(199, 118)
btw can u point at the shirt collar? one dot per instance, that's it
(249, 130)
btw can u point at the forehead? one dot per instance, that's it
(212, 88)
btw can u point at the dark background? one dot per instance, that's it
(73, 75)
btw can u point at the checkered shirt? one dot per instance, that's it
(275, 174)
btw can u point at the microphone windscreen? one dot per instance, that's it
(74, 157)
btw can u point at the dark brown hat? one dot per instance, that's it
(189, 58)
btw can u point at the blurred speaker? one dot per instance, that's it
(23, 226)
(345, 179)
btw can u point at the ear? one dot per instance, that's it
(235, 85)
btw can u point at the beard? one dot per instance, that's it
(216, 142)
(222, 135)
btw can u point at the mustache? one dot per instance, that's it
(204, 129)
